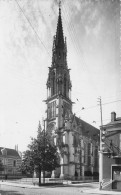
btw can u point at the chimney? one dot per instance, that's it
(16, 147)
(113, 116)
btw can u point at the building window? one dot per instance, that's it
(89, 149)
(85, 153)
(89, 153)
(55, 141)
(80, 170)
(59, 55)
(64, 139)
(52, 110)
(81, 143)
(89, 160)
(65, 85)
(14, 163)
(120, 141)
(96, 151)
(81, 156)
(75, 140)
(53, 84)
(96, 156)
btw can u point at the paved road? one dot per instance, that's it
(53, 190)
(76, 189)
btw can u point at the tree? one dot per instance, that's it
(41, 156)
(27, 165)
(1, 166)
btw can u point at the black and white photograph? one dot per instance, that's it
(60, 97)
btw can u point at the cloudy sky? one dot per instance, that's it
(92, 28)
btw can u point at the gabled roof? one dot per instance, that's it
(9, 152)
(87, 129)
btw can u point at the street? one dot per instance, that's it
(75, 189)
(7, 188)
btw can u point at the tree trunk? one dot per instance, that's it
(40, 178)
(44, 176)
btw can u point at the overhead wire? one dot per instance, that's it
(111, 102)
(85, 108)
(21, 9)
(91, 107)
(78, 50)
(71, 31)
(73, 35)
(30, 24)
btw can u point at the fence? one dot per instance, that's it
(10, 176)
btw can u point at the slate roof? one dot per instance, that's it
(87, 129)
(116, 121)
(10, 152)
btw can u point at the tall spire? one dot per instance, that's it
(59, 32)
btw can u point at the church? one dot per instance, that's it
(76, 140)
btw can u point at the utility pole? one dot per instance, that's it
(101, 152)
(44, 151)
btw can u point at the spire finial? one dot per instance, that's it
(59, 5)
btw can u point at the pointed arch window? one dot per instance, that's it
(95, 158)
(85, 153)
(52, 110)
(53, 83)
(59, 55)
(89, 154)
(65, 84)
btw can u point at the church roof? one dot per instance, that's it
(9, 152)
(87, 129)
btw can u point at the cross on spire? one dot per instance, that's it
(59, 7)
(59, 4)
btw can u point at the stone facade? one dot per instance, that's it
(77, 141)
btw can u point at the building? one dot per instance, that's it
(11, 160)
(111, 153)
(77, 141)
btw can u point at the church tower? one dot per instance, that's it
(59, 104)
(59, 86)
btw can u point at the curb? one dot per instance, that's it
(97, 191)
(29, 186)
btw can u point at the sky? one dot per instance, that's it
(27, 27)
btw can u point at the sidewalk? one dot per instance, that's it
(89, 191)
(97, 191)
(21, 185)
